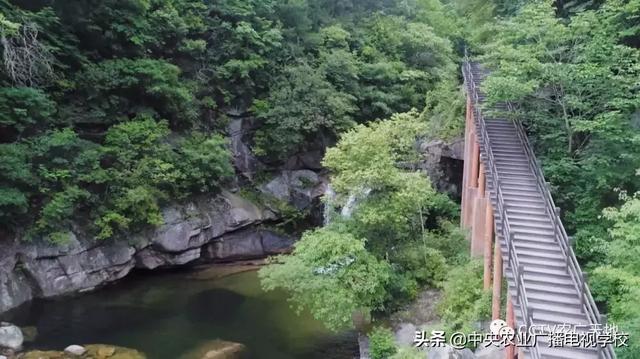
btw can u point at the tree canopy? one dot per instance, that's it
(110, 110)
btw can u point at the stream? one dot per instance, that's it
(167, 315)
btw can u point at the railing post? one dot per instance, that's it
(497, 281)
(583, 278)
(519, 278)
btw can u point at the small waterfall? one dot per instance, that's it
(352, 202)
(329, 199)
(346, 211)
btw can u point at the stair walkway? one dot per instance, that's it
(544, 279)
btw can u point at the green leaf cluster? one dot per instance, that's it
(399, 221)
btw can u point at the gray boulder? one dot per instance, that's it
(240, 245)
(78, 266)
(442, 162)
(189, 227)
(10, 336)
(15, 287)
(273, 243)
(247, 244)
(243, 159)
(75, 350)
(298, 188)
(490, 352)
(448, 352)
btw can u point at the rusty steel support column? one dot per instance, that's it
(477, 231)
(468, 211)
(466, 163)
(497, 281)
(478, 214)
(472, 183)
(467, 185)
(475, 161)
(481, 181)
(488, 241)
(511, 322)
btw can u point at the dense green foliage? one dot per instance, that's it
(399, 229)
(331, 273)
(381, 343)
(109, 110)
(616, 279)
(464, 302)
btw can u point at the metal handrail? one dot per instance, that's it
(508, 234)
(573, 267)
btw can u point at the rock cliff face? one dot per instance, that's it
(443, 162)
(221, 228)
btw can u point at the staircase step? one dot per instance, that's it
(511, 167)
(529, 218)
(549, 247)
(517, 176)
(547, 352)
(545, 271)
(528, 188)
(510, 198)
(550, 279)
(520, 236)
(542, 241)
(513, 161)
(508, 155)
(552, 318)
(527, 212)
(540, 256)
(544, 224)
(525, 206)
(536, 296)
(513, 182)
(532, 231)
(543, 289)
(549, 263)
(569, 310)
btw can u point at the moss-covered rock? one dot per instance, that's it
(215, 349)
(93, 351)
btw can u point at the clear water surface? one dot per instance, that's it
(167, 315)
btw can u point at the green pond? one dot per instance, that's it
(167, 315)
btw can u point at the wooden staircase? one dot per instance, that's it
(545, 282)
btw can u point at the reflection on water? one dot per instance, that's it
(170, 314)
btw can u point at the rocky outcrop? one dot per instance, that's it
(220, 228)
(443, 162)
(10, 336)
(448, 352)
(243, 159)
(299, 188)
(93, 351)
(246, 245)
(216, 349)
(188, 228)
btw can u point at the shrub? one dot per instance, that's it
(464, 302)
(381, 343)
(426, 265)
